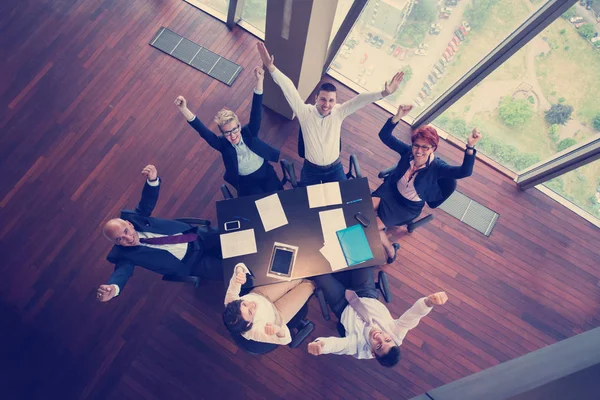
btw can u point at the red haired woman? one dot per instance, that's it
(414, 181)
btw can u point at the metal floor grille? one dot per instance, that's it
(195, 55)
(470, 212)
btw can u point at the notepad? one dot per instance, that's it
(355, 245)
(325, 194)
(271, 212)
(238, 243)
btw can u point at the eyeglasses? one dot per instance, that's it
(417, 147)
(231, 132)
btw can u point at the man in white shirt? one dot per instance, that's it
(321, 123)
(370, 330)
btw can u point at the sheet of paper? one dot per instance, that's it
(331, 222)
(325, 194)
(271, 212)
(238, 243)
(334, 254)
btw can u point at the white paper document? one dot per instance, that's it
(238, 243)
(331, 222)
(325, 194)
(271, 212)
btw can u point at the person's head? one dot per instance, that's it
(326, 99)
(383, 347)
(425, 141)
(121, 232)
(239, 315)
(229, 125)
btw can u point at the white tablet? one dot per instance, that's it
(282, 261)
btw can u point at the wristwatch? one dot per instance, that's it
(153, 180)
(470, 147)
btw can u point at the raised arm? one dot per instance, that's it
(256, 112)
(150, 191)
(466, 168)
(421, 308)
(206, 134)
(270, 334)
(363, 99)
(235, 283)
(334, 345)
(287, 86)
(123, 271)
(385, 134)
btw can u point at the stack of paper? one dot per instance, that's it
(325, 194)
(238, 243)
(331, 222)
(271, 212)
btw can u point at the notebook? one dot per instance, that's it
(354, 245)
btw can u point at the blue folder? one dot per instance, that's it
(354, 245)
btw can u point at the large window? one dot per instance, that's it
(581, 187)
(220, 6)
(541, 101)
(254, 12)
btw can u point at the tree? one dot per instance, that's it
(597, 122)
(559, 114)
(570, 13)
(587, 31)
(566, 143)
(515, 112)
(478, 11)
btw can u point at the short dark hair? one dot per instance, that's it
(233, 320)
(326, 87)
(391, 358)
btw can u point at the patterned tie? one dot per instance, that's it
(174, 239)
(358, 306)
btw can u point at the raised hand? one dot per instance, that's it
(394, 83)
(403, 110)
(270, 329)
(259, 73)
(316, 348)
(105, 293)
(474, 137)
(150, 172)
(437, 299)
(181, 102)
(267, 59)
(240, 275)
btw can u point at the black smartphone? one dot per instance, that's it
(364, 221)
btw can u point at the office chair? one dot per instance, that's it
(289, 172)
(447, 187)
(299, 326)
(194, 280)
(382, 284)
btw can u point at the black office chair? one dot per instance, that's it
(289, 172)
(226, 192)
(299, 326)
(382, 284)
(194, 280)
(447, 187)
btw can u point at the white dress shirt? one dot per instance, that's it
(321, 134)
(356, 342)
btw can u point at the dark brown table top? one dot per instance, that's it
(303, 230)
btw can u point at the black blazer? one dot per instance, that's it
(426, 181)
(249, 135)
(159, 261)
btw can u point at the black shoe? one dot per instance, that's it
(396, 246)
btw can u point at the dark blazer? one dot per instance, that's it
(426, 181)
(156, 260)
(249, 135)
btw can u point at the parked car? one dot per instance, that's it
(434, 31)
(379, 43)
(595, 42)
(576, 20)
(391, 49)
(444, 16)
(368, 37)
(397, 51)
(418, 101)
(451, 2)
(443, 62)
(446, 10)
(361, 71)
(439, 67)
(426, 89)
(463, 30)
(374, 40)
(456, 40)
(579, 24)
(402, 53)
(351, 43)
(467, 26)
(453, 46)
(420, 52)
(447, 56)
(459, 34)
(423, 46)
(436, 74)
(422, 95)
(336, 65)
(431, 79)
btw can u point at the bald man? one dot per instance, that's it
(164, 246)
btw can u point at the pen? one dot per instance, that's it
(354, 201)
(238, 217)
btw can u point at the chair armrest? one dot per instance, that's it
(411, 226)
(385, 172)
(384, 287)
(194, 221)
(322, 304)
(304, 330)
(354, 166)
(289, 173)
(194, 280)
(226, 192)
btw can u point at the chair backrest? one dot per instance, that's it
(289, 173)
(447, 187)
(226, 192)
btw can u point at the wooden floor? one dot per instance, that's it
(86, 103)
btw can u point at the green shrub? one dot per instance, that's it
(596, 122)
(514, 112)
(566, 143)
(587, 31)
(553, 133)
(559, 114)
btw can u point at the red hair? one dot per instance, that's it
(426, 133)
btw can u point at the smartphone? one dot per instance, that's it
(364, 221)
(232, 225)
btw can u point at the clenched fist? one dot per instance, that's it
(316, 348)
(150, 172)
(105, 293)
(181, 102)
(436, 299)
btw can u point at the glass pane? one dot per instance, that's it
(343, 6)
(254, 12)
(220, 6)
(541, 101)
(580, 186)
(434, 42)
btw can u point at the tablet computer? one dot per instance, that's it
(282, 261)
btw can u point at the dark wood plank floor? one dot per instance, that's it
(86, 103)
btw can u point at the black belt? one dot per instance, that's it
(324, 167)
